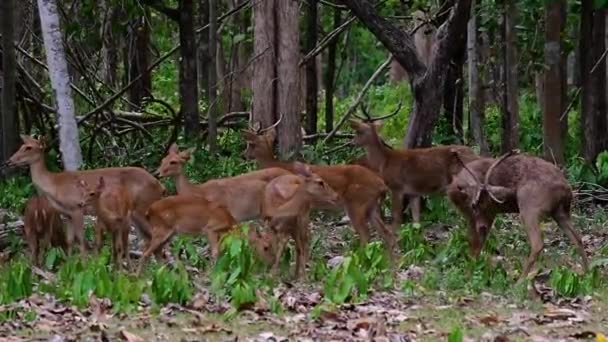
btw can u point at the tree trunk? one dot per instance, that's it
(311, 68)
(203, 49)
(109, 43)
(264, 65)
(69, 145)
(454, 95)
(236, 74)
(188, 87)
(290, 133)
(510, 117)
(212, 117)
(137, 60)
(330, 75)
(9, 123)
(593, 108)
(476, 95)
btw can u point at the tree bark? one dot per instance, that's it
(212, 117)
(454, 96)
(264, 65)
(188, 87)
(476, 95)
(290, 132)
(203, 49)
(510, 117)
(552, 134)
(137, 60)
(427, 82)
(311, 68)
(109, 43)
(9, 123)
(593, 108)
(69, 145)
(330, 75)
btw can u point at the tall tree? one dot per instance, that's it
(264, 64)
(510, 105)
(476, 97)
(553, 82)
(9, 129)
(136, 60)
(427, 82)
(288, 57)
(203, 48)
(109, 42)
(330, 74)
(69, 144)
(311, 68)
(593, 76)
(212, 74)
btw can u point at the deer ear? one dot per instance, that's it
(81, 183)
(377, 124)
(355, 124)
(185, 155)
(25, 138)
(173, 148)
(302, 169)
(101, 184)
(248, 135)
(256, 126)
(271, 134)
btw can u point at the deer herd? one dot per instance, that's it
(281, 194)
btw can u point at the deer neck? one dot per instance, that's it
(265, 158)
(297, 204)
(182, 183)
(376, 152)
(42, 177)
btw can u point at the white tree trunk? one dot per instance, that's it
(60, 81)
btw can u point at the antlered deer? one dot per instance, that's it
(63, 194)
(239, 194)
(185, 214)
(359, 188)
(520, 184)
(411, 172)
(286, 208)
(113, 207)
(42, 226)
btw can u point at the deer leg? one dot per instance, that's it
(356, 214)
(415, 207)
(396, 209)
(281, 242)
(156, 242)
(564, 221)
(117, 249)
(125, 244)
(32, 242)
(100, 228)
(302, 242)
(387, 235)
(531, 221)
(76, 227)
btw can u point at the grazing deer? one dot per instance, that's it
(63, 194)
(185, 214)
(286, 208)
(411, 172)
(113, 207)
(359, 188)
(239, 194)
(512, 183)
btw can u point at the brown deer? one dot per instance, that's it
(286, 208)
(113, 207)
(42, 225)
(239, 194)
(411, 172)
(359, 188)
(63, 194)
(513, 183)
(185, 214)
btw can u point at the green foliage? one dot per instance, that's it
(455, 335)
(413, 244)
(601, 163)
(14, 192)
(15, 281)
(171, 285)
(571, 284)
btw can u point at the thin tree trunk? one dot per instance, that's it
(454, 95)
(311, 68)
(137, 58)
(476, 97)
(212, 118)
(552, 133)
(188, 87)
(330, 75)
(109, 42)
(593, 108)
(264, 65)
(290, 133)
(510, 123)
(203, 49)
(69, 144)
(9, 123)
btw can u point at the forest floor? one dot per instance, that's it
(412, 309)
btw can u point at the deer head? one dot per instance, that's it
(259, 140)
(30, 152)
(172, 163)
(315, 186)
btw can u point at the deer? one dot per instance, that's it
(409, 173)
(42, 225)
(286, 205)
(239, 194)
(63, 194)
(189, 214)
(113, 207)
(513, 183)
(360, 189)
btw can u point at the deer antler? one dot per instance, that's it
(491, 169)
(480, 185)
(260, 131)
(368, 118)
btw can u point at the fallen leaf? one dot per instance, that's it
(490, 320)
(130, 337)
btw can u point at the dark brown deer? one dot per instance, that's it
(359, 188)
(412, 172)
(513, 183)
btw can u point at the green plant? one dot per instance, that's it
(455, 335)
(571, 284)
(15, 281)
(170, 285)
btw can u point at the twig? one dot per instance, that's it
(359, 98)
(328, 39)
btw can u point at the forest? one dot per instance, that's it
(311, 170)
